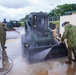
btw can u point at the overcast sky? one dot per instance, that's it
(17, 9)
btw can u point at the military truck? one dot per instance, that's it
(38, 42)
(13, 23)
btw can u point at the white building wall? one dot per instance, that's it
(70, 18)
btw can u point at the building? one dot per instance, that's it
(69, 16)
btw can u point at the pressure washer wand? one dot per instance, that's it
(17, 31)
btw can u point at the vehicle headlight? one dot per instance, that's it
(26, 45)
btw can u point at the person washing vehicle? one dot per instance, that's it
(3, 30)
(4, 56)
(70, 34)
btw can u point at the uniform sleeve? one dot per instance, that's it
(64, 34)
(6, 28)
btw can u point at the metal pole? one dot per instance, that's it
(54, 8)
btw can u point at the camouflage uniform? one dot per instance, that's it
(3, 29)
(3, 35)
(70, 34)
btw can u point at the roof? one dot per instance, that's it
(70, 12)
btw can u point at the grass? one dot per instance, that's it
(22, 23)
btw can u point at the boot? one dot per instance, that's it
(68, 62)
(6, 67)
(1, 70)
(74, 60)
(5, 47)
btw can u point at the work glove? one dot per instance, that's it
(12, 29)
(59, 39)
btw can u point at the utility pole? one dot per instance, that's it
(54, 9)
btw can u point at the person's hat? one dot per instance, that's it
(65, 23)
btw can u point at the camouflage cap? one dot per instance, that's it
(65, 23)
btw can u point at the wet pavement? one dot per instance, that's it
(21, 67)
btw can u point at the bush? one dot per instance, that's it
(22, 23)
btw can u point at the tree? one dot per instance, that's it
(51, 13)
(25, 18)
(61, 9)
(64, 8)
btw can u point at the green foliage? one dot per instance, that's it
(61, 9)
(22, 23)
(52, 13)
(64, 8)
(25, 18)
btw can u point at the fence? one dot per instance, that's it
(54, 18)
